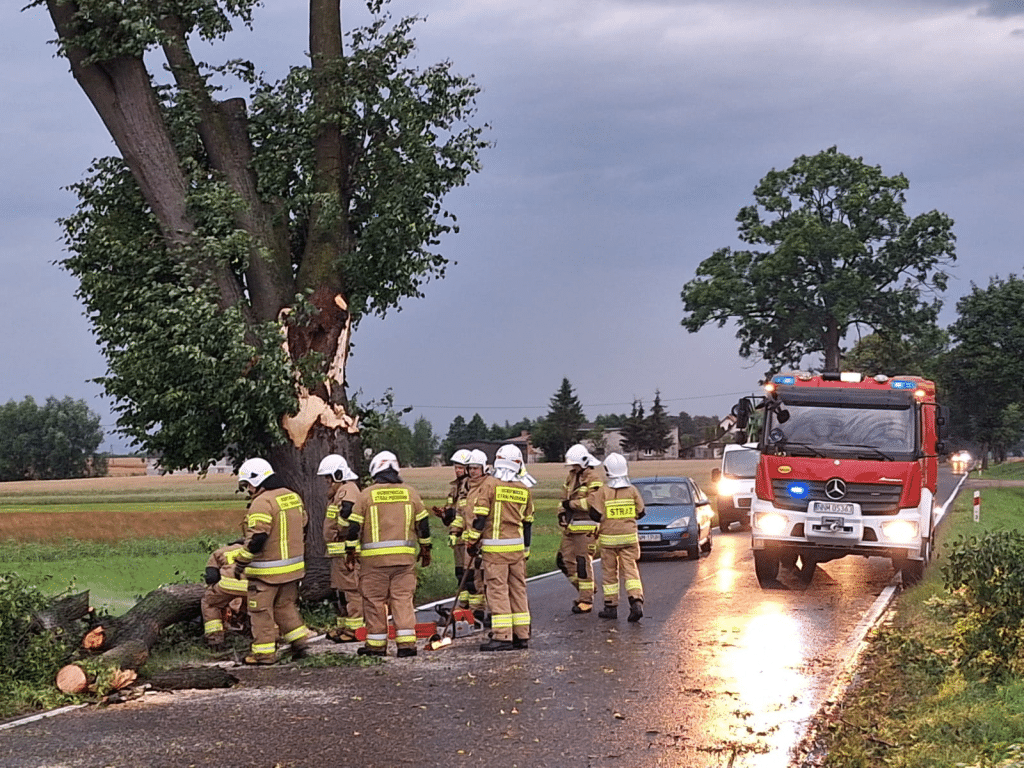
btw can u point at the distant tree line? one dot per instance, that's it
(54, 441)
(563, 426)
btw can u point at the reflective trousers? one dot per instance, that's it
(577, 552)
(274, 611)
(616, 561)
(506, 597)
(347, 582)
(215, 600)
(384, 586)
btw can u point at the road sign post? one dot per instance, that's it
(977, 506)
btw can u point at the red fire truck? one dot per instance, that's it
(848, 467)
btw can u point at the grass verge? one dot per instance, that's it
(912, 707)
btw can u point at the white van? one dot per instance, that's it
(734, 484)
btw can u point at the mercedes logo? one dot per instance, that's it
(835, 489)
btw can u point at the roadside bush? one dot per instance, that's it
(30, 658)
(986, 572)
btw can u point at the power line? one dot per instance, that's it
(584, 405)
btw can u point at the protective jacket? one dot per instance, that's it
(275, 525)
(386, 524)
(578, 486)
(220, 570)
(339, 507)
(618, 509)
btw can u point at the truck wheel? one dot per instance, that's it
(693, 552)
(911, 571)
(766, 566)
(706, 546)
(807, 568)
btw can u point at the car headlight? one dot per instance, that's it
(771, 523)
(727, 486)
(680, 522)
(900, 531)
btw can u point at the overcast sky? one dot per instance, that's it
(627, 135)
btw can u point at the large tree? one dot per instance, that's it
(57, 440)
(227, 255)
(894, 353)
(838, 251)
(982, 376)
(559, 429)
(657, 431)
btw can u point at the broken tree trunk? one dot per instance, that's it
(62, 614)
(127, 639)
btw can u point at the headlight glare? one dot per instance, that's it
(900, 531)
(727, 486)
(771, 523)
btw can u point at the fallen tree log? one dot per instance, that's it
(63, 614)
(126, 640)
(192, 677)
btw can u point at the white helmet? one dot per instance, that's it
(615, 465)
(578, 454)
(254, 471)
(477, 457)
(382, 461)
(461, 456)
(336, 466)
(508, 457)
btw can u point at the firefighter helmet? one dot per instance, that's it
(508, 457)
(461, 456)
(336, 466)
(382, 461)
(477, 457)
(254, 472)
(615, 465)
(579, 455)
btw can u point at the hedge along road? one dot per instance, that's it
(718, 673)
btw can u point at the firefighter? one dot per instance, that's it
(342, 494)
(617, 506)
(500, 535)
(576, 553)
(223, 591)
(273, 561)
(453, 516)
(476, 598)
(383, 529)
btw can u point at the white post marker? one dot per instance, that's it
(977, 506)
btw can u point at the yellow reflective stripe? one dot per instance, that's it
(408, 517)
(374, 523)
(331, 513)
(388, 551)
(633, 584)
(520, 619)
(422, 514)
(620, 509)
(244, 556)
(282, 522)
(229, 584)
(355, 517)
(231, 555)
(502, 548)
(512, 495)
(335, 548)
(296, 633)
(263, 649)
(585, 585)
(258, 517)
(501, 620)
(275, 567)
(617, 539)
(575, 527)
(611, 589)
(354, 622)
(216, 625)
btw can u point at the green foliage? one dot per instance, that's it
(559, 429)
(633, 429)
(986, 571)
(982, 376)
(893, 354)
(50, 442)
(839, 251)
(190, 309)
(31, 657)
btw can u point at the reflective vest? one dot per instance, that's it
(387, 514)
(278, 513)
(619, 508)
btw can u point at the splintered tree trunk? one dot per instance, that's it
(64, 614)
(130, 637)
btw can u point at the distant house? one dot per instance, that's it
(221, 467)
(490, 447)
(612, 439)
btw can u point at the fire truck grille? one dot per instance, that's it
(874, 498)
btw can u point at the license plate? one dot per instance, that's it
(832, 507)
(648, 537)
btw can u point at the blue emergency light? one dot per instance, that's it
(784, 380)
(901, 384)
(798, 490)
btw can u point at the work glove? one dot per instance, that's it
(565, 505)
(595, 515)
(641, 515)
(424, 556)
(448, 516)
(526, 553)
(350, 559)
(563, 518)
(473, 549)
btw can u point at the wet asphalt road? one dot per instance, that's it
(718, 673)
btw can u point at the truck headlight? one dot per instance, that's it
(771, 523)
(900, 531)
(680, 522)
(727, 486)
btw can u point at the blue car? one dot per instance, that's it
(678, 516)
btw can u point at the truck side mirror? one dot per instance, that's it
(942, 422)
(742, 413)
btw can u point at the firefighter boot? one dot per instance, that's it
(365, 650)
(609, 611)
(636, 608)
(520, 643)
(582, 607)
(497, 645)
(403, 653)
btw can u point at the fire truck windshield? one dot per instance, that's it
(878, 429)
